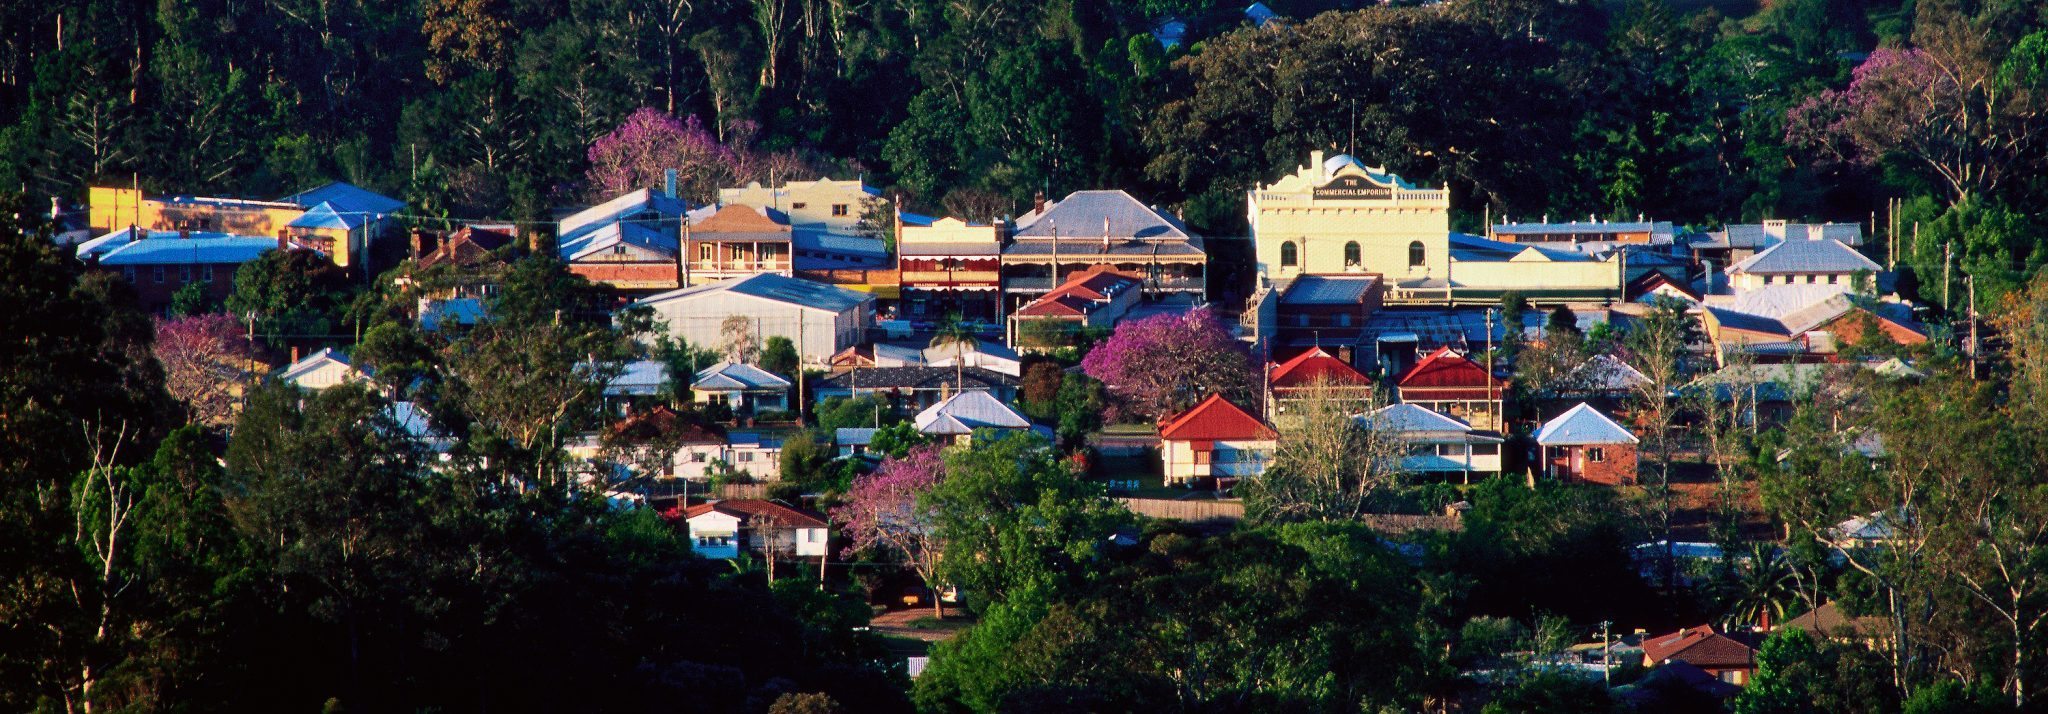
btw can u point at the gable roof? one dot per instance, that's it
(645, 236)
(326, 215)
(1308, 367)
(1604, 373)
(1082, 215)
(665, 207)
(1648, 283)
(325, 357)
(733, 377)
(1583, 425)
(1700, 647)
(1083, 293)
(794, 292)
(1446, 369)
(1216, 419)
(344, 197)
(747, 510)
(638, 378)
(1411, 418)
(964, 412)
(1805, 256)
(742, 219)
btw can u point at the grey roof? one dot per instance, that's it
(1806, 256)
(1082, 215)
(1604, 373)
(1468, 247)
(1580, 426)
(1755, 235)
(886, 378)
(783, 289)
(1772, 382)
(734, 377)
(1078, 247)
(644, 235)
(1583, 227)
(327, 355)
(641, 378)
(1411, 419)
(1328, 290)
(173, 248)
(964, 412)
(848, 436)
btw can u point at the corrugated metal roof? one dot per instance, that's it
(1084, 214)
(346, 198)
(325, 215)
(964, 412)
(1329, 290)
(168, 248)
(1411, 419)
(640, 378)
(730, 376)
(783, 289)
(1580, 426)
(667, 210)
(1806, 256)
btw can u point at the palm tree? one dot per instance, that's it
(956, 332)
(1760, 586)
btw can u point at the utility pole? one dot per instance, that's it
(1948, 257)
(1606, 646)
(1971, 281)
(1489, 369)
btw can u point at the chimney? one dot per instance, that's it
(184, 234)
(282, 243)
(295, 354)
(134, 233)
(669, 182)
(1038, 202)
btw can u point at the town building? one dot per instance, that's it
(751, 454)
(947, 265)
(1804, 262)
(637, 384)
(1315, 311)
(160, 263)
(743, 388)
(1437, 446)
(628, 243)
(471, 263)
(1336, 215)
(724, 529)
(835, 229)
(321, 370)
(957, 417)
(911, 389)
(1094, 298)
(339, 219)
(1738, 241)
(734, 241)
(1215, 440)
(1314, 374)
(820, 320)
(1057, 239)
(1450, 384)
(1584, 445)
(987, 355)
(1787, 323)
(1578, 233)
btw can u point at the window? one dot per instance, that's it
(839, 209)
(1289, 256)
(1450, 449)
(746, 456)
(1417, 255)
(157, 273)
(128, 274)
(1485, 449)
(618, 250)
(705, 252)
(697, 457)
(771, 254)
(1595, 454)
(1832, 279)
(206, 273)
(184, 274)
(810, 535)
(1351, 254)
(798, 206)
(1809, 280)
(1767, 280)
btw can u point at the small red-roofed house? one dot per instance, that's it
(1447, 383)
(1728, 659)
(1299, 377)
(1215, 439)
(721, 529)
(1096, 297)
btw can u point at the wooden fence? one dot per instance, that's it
(1193, 511)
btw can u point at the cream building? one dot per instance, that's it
(1337, 215)
(824, 204)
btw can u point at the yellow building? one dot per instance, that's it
(339, 219)
(1337, 215)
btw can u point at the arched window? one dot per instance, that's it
(1351, 254)
(1416, 255)
(1288, 255)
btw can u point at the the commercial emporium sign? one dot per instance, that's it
(1353, 188)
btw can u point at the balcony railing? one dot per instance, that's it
(951, 276)
(718, 265)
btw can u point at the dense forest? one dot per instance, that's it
(1697, 112)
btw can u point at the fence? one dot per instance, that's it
(1193, 511)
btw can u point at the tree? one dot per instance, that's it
(741, 344)
(803, 457)
(649, 142)
(960, 335)
(883, 513)
(778, 355)
(1014, 518)
(207, 363)
(1330, 466)
(1041, 390)
(1658, 346)
(290, 293)
(1160, 365)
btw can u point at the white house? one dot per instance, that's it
(757, 456)
(958, 416)
(320, 370)
(1216, 439)
(1437, 444)
(722, 528)
(743, 387)
(818, 319)
(1802, 262)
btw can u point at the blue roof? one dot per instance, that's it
(325, 215)
(346, 198)
(167, 248)
(1259, 14)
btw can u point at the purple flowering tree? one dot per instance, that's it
(648, 143)
(1925, 106)
(881, 514)
(1160, 365)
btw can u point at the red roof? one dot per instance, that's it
(1308, 367)
(1444, 369)
(1648, 282)
(1216, 419)
(1081, 293)
(747, 509)
(660, 421)
(1700, 647)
